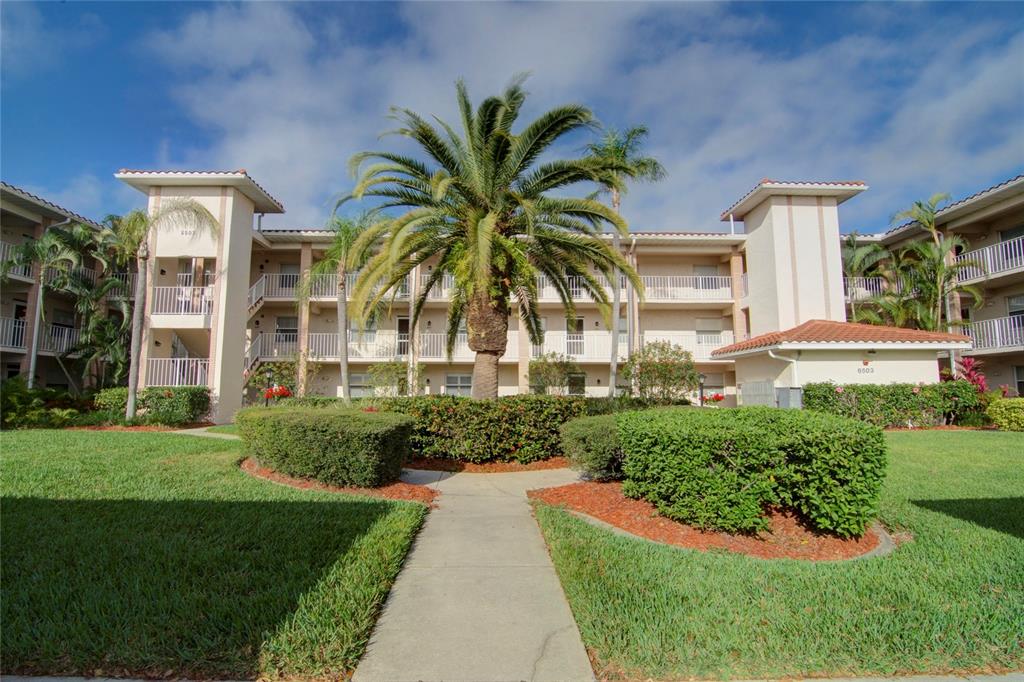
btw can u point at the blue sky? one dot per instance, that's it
(912, 98)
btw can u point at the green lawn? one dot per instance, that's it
(224, 428)
(152, 554)
(951, 600)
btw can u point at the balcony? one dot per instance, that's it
(285, 286)
(86, 274)
(128, 281)
(698, 344)
(687, 288)
(177, 371)
(23, 272)
(997, 334)
(181, 307)
(863, 288)
(58, 339)
(12, 333)
(1004, 258)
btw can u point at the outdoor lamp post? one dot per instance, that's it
(700, 380)
(266, 394)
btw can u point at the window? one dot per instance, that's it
(458, 384)
(1015, 305)
(289, 275)
(1018, 372)
(705, 275)
(709, 330)
(577, 383)
(287, 325)
(62, 318)
(574, 340)
(359, 385)
(14, 369)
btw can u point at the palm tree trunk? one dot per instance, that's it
(36, 325)
(487, 327)
(137, 315)
(346, 392)
(613, 372)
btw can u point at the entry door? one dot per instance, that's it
(403, 336)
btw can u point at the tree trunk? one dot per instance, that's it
(487, 327)
(37, 321)
(346, 392)
(137, 318)
(613, 372)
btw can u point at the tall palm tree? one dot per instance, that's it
(924, 213)
(622, 147)
(341, 258)
(128, 237)
(54, 251)
(102, 338)
(860, 261)
(483, 206)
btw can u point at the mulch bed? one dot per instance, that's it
(943, 427)
(788, 538)
(140, 427)
(431, 464)
(393, 491)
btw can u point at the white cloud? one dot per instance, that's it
(290, 101)
(30, 46)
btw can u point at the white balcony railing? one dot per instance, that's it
(12, 333)
(441, 290)
(687, 287)
(58, 339)
(699, 344)
(993, 260)
(1000, 332)
(6, 254)
(258, 291)
(322, 287)
(177, 371)
(863, 288)
(182, 300)
(128, 281)
(87, 274)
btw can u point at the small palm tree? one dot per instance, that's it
(341, 258)
(859, 261)
(486, 209)
(622, 148)
(128, 237)
(55, 252)
(102, 339)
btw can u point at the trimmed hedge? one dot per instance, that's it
(520, 428)
(592, 446)
(896, 405)
(340, 447)
(169, 405)
(720, 469)
(1007, 414)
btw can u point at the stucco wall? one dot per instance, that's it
(841, 367)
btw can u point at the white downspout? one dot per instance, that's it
(792, 363)
(732, 225)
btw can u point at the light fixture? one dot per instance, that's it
(701, 378)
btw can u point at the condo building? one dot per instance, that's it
(761, 305)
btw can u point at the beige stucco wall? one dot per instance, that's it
(841, 367)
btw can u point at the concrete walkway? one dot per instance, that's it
(205, 432)
(478, 599)
(1010, 677)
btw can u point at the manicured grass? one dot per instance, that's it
(152, 554)
(950, 600)
(223, 428)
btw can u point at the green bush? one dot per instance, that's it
(167, 405)
(340, 447)
(721, 469)
(1007, 414)
(896, 405)
(22, 407)
(592, 446)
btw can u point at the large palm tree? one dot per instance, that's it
(859, 261)
(102, 341)
(924, 214)
(622, 147)
(341, 258)
(484, 207)
(128, 237)
(55, 251)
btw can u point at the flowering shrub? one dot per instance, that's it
(968, 369)
(896, 405)
(715, 398)
(280, 391)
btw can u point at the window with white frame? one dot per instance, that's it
(359, 385)
(709, 330)
(458, 384)
(1018, 373)
(577, 383)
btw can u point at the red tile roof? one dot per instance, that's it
(828, 331)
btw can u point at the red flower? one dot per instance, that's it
(371, 408)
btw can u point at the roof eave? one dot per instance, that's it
(848, 345)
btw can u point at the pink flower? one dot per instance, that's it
(839, 389)
(917, 389)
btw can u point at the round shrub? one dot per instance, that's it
(1007, 414)
(340, 447)
(592, 446)
(720, 469)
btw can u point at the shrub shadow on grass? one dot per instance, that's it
(1004, 514)
(188, 588)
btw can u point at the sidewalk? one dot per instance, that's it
(478, 599)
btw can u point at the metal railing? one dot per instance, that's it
(53, 274)
(687, 287)
(128, 281)
(863, 288)
(182, 300)
(322, 287)
(7, 253)
(441, 289)
(58, 339)
(257, 292)
(993, 260)
(177, 371)
(999, 332)
(12, 333)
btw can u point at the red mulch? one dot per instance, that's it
(787, 539)
(141, 427)
(432, 464)
(392, 491)
(944, 427)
